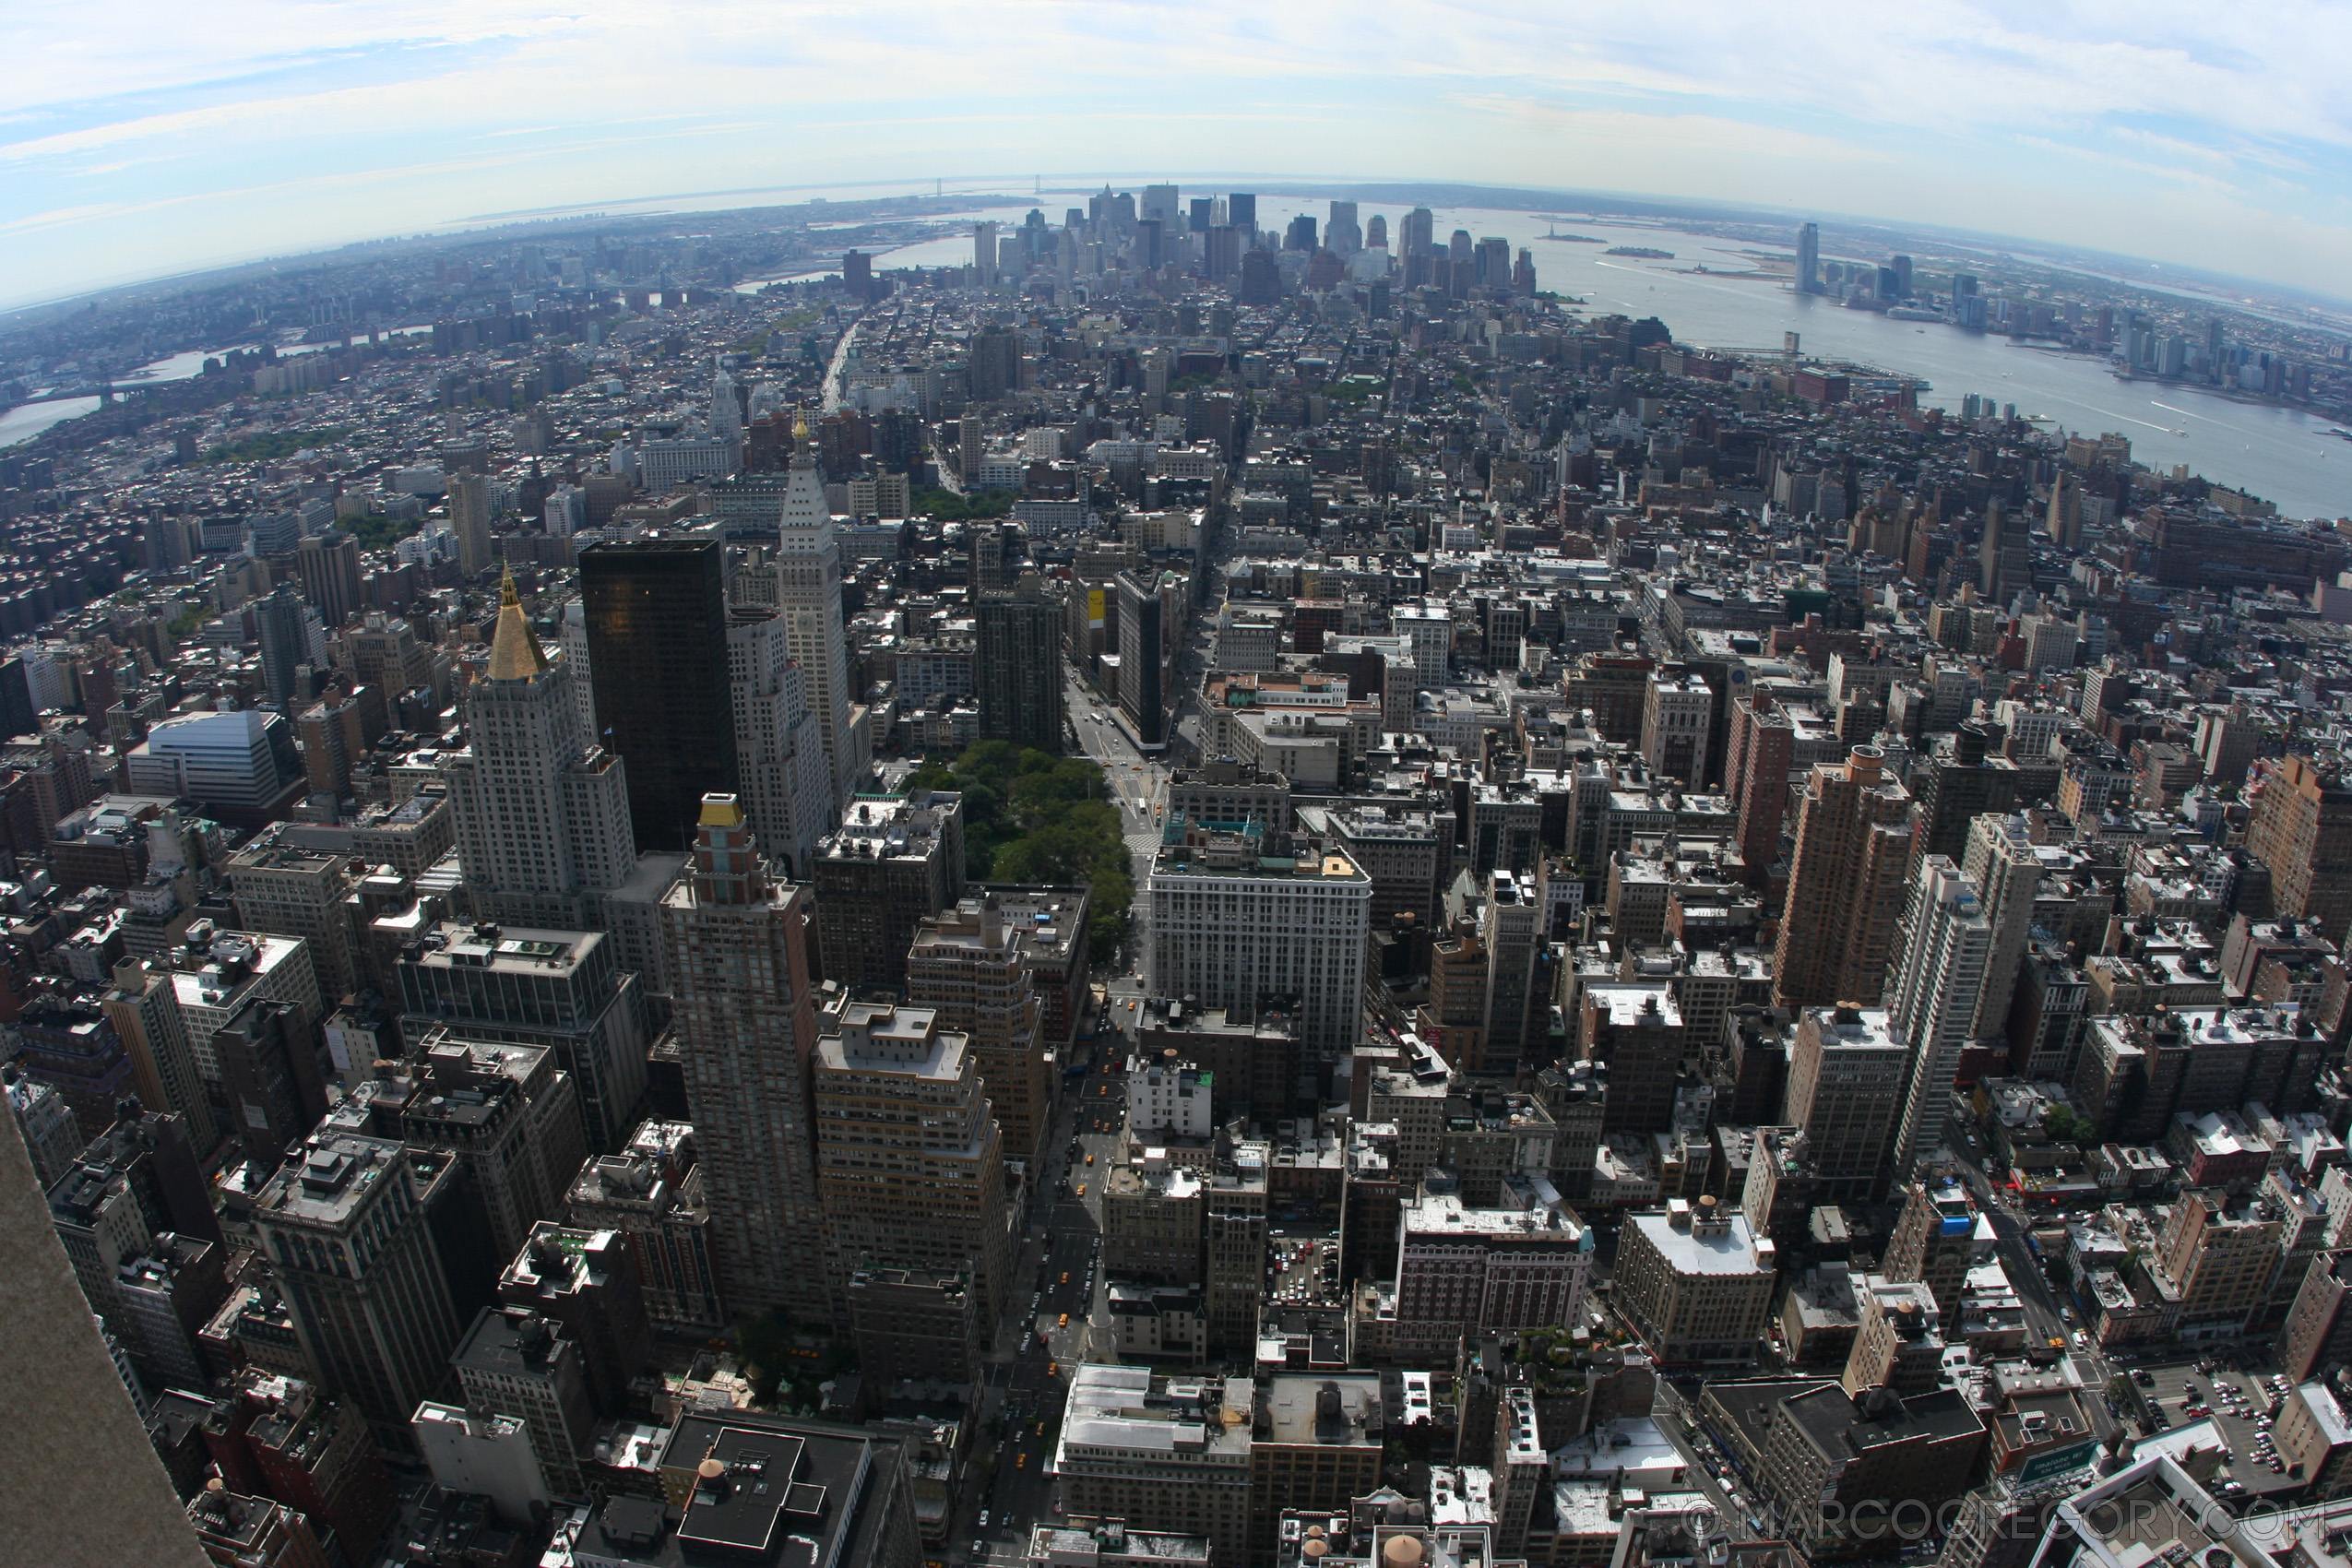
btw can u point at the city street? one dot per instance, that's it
(2042, 1304)
(1670, 1410)
(1052, 1307)
(1140, 786)
(1055, 1312)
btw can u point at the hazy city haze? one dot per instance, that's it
(145, 138)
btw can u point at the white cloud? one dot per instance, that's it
(2056, 119)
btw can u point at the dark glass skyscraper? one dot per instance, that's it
(1018, 672)
(1142, 659)
(656, 628)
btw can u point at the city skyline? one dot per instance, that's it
(1189, 873)
(2155, 133)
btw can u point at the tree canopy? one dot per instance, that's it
(1031, 816)
(273, 444)
(950, 507)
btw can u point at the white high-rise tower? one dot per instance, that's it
(726, 413)
(2002, 865)
(785, 779)
(543, 810)
(1932, 997)
(808, 592)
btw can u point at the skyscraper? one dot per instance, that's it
(284, 889)
(1416, 232)
(523, 985)
(51, 1133)
(857, 275)
(1242, 210)
(745, 1018)
(1238, 920)
(1959, 786)
(586, 1280)
(270, 1070)
(808, 594)
(910, 1164)
(57, 1379)
(1809, 260)
(327, 565)
(1141, 659)
(542, 816)
(2004, 556)
(780, 751)
(1018, 672)
(509, 1117)
(967, 966)
(1755, 775)
(1493, 262)
(346, 1230)
(882, 872)
(1934, 1243)
(1846, 1078)
(984, 250)
(1261, 280)
(1931, 998)
(1511, 924)
(726, 408)
(657, 622)
(1342, 232)
(470, 520)
(1845, 882)
(146, 1013)
(2006, 872)
(2301, 828)
(291, 636)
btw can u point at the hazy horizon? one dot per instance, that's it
(160, 141)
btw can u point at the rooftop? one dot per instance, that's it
(506, 949)
(787, 1493)
(1541, 1216)
(1117, 1410)
(1725, 1246)
(509, 1344)
(335, 1174)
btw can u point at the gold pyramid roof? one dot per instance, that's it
(515, 653)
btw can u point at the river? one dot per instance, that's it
(28, 420)
(2283, 455)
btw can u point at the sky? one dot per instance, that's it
(142, 139)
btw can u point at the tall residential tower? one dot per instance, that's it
(808, 592)
(747, 1021)
(1844, 884)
